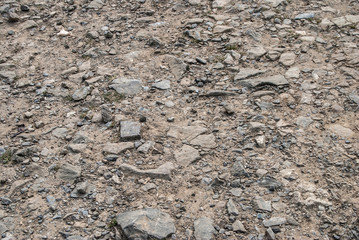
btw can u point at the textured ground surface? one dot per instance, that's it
(233, 119)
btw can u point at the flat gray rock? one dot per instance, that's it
(81, 93)
(126, 86)
(148, 223)
(203, 229)
(231, 207)
(83, 189)
(276, 80)
(3, 228)
(186, 155)
(205, 141)
(274, 221)
(238, 227)
(130, 130)
(162, 172)
(247, 73)
(117, 148)
(287, 59)
(261, 205)
(7, 76)
(220, 3)
(162, 85)
(186, 132)
(68, 172)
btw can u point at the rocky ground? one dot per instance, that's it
(190, 119)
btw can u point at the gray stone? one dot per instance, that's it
(177, 66)
(236, 191)
(292, 72)
(186, 155)
(216, 93)
(3, 228)
(203, 229)
(126, 86)
(270, 183)
(222, 29)
(304, 16)
(238, 227)
(270, 234)
(162, 85)
(185, 132)
(81, 93)
(7, 76)
(77, 148)
(130, 130)
(162, 172)
(287, 59)
(220, 3)
(232, 209)
(205, 141)
(146, 224)
(52, 202)
(117, 148)
(247, 73)
(95, 4)
(256, 52)
(60, 132)
(274, 3)
(83, 189)
(274, 221)
(68, 172)
(276, 80)
(341, 130)
(144, 148)
(28, 24)
(303, 122)
(261, 205)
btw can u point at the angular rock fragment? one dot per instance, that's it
(274, 221)
(186, 155)
(162, 172)
(247, 73)
(68, 172)
(261, 205)
(287, 59)
(238, 227)
(205, 141)
(232, 209)
(130, 130)
(146, 224)
(81, 93)
(126, 86)
(340, 130)
(276, 80)
(117, 148)
(82, 190)
(186, 132)
(203, 229)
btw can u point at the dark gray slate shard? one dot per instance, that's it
(130, 130)
(148, 223)
(276, 80)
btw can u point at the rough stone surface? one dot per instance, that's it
(126, 86)
(203, 229)
(130, 130)
(276, 80)
(162, 172)
(146, 223)
(186, 155)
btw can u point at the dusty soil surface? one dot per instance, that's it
(190, 119)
